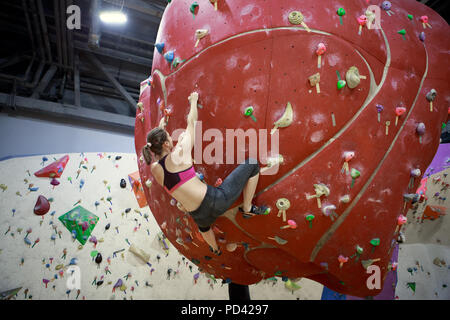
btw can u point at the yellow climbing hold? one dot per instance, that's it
(296, 17)
(283, 204)
(285, 120)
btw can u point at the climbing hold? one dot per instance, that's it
(420, 130)
(422, 36)
(169, 56)
(424, 20)
(414, 174)
(370, 18)
(410, 17)
(345, 199)
(309, 218)
(193, 9)
(362, 20)
(285, 120)
(249, 113)
(402, 32)
(375, 242)
(358, 253)
(401, 220)
(321, 48)
(367, 263)
(42, 206)
(388, 123)
(215, 4)
(354, 174)
(399, 110)
(296, 17)
(340, 84)
(321, 190)
(349, 155)
(160, 47)
(278, 240)
(98, 259)
(148, 183)
(176, 62)
(282, 204)
(291, 224)
(353, 78)
(379, 109)
(199, 34)
(314, 81)
(340, 12)
(342, 260)
(329, 212)
(386, 6)
(218, 182)
(123, 183)
(431, 95)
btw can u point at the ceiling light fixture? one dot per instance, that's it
(113, 16)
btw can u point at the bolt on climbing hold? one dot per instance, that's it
(375, 242)
(291, 224)
(215, 4)
(401, 220)
(414, 174)
(160, 47)
(282, 204)
(362, 20)
(309, 218)
(285, 120)
(349, 155)
(341, 84)
(199, 34)
(193, 9)
(340, 12)
(249, 113)
(354, 174)
(329, 212)
(321, 48)
(368, 263)
(420, 131)
(431, 95)
(176, 62)
(370, 18)
(399, 110)
(342, 260)
(278, 240)
(386, 6)
(410, 17)
(345, 199)
(169, 56)
(321, 190)
(353, 78)
(358, 253)
(402, 32)
(380, 108)
(140, 105)
(422, 36)
(388, 123)
(296, 17)
(424, 20)
(314, 81)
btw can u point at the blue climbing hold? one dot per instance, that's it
(169, 56)
(160, 47)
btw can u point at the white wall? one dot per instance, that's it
(22, 136)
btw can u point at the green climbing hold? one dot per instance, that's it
(443, 125)
(410, 16)
(341, 84)
(359, 250)
(375, 242)
(403, 31)
(278, 273)
(354, 174)
(341, 12)
(310, 218)
(249, 113)
(194, 6)
(412, 286)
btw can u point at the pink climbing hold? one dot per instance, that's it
(42, 206)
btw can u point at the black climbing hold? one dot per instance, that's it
(99, 283)
(118, 157)
(98, 258)
(284, 278)
(123, 184)
(127, 210)
(107, 226)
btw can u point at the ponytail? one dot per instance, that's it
(146, 153)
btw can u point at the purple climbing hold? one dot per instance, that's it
(422, 36)
(54, 182)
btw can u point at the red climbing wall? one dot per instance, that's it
(254, 56)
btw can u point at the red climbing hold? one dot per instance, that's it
(53, 170)
(42, 206)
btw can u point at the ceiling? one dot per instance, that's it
(89, 75)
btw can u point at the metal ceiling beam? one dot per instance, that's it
(76, 80)
(69, 112)
(44, 29)
(44, 82)
(116, 84)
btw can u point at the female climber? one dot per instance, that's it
(173, 170)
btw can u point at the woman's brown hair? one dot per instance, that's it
(155, 140)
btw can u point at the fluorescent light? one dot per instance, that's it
(116, 17)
